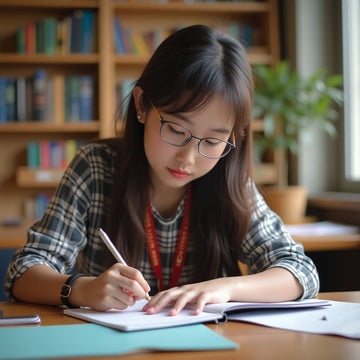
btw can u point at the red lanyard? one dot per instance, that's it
(180, 249)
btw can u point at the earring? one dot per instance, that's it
(139, 117)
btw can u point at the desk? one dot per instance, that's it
(256, 342)
(330, 242)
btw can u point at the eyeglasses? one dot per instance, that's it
(178, 135)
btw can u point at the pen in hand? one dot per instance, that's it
(105, 238)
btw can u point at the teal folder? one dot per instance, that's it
(39, 342)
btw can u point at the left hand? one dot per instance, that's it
(200, 294)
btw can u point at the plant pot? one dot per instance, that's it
(288, 202)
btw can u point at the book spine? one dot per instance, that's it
(33, 155)
(30, 39)
(126, 87)
(49, 103)
(45, 154)
(76, 19)
(3, 115)
(29, 99)
(41, 201)
(86, 98)
(10, 99)
(21, 99)
(73, 99)
(20, 40)
(70, 150)
(87, 32)
(50, 36)
(118, 33)
(39, 95)
(55, 154)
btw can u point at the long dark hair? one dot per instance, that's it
(201, 63)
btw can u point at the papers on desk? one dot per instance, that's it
(341, 318)
(133, 318)
(85, 340)
(322, 228)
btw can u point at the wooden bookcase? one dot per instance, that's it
(16, 181)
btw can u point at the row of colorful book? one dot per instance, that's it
(35, 206)
(48, 154)
(132, 41)
(40, 98)
(144, 43)
(73, 34)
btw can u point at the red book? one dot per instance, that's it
(45, 154)
(30, 44)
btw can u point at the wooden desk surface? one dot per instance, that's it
(255, 342)
(331, 242)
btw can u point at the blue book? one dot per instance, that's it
(119, 43)
(42, 201)
(87, 38)
(3, 115)
(10, 99)
(86, 97)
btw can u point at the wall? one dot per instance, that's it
(312, 40)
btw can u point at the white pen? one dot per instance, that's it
(105, 238)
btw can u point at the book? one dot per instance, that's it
(10, 99)
(134, 319)
(3, 108)
(21, 99)
(86, 98)
(39, 95)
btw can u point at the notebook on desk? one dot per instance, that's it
(133, 318)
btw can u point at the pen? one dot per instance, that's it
(105, 238)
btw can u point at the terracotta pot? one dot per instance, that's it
(288, 202)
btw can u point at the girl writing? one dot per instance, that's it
(175, 194)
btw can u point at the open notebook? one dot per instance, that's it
(133, 318)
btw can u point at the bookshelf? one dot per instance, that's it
(108, 68)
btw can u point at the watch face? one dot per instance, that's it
(65, 291)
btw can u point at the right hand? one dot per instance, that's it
(118, 287)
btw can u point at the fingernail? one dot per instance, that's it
(197, 311)
(173, 312)
(151, 309)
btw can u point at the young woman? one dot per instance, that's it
(174, 193)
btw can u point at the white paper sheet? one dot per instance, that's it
(341, 318)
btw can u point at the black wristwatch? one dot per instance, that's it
(66, 290)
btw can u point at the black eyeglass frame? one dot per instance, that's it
(163, 122)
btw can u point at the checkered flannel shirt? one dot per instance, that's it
(66, 235)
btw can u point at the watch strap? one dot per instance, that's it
(66, 290)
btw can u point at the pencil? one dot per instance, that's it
(105, 238)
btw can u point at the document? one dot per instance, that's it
(133, 318)
(341, 318)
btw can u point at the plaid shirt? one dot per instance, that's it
(66, 234)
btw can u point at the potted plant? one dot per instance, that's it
(290, 105)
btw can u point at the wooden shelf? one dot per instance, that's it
(223, 7)
(47, 127)
(38, 178)
(72, 4)
(10, 58)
